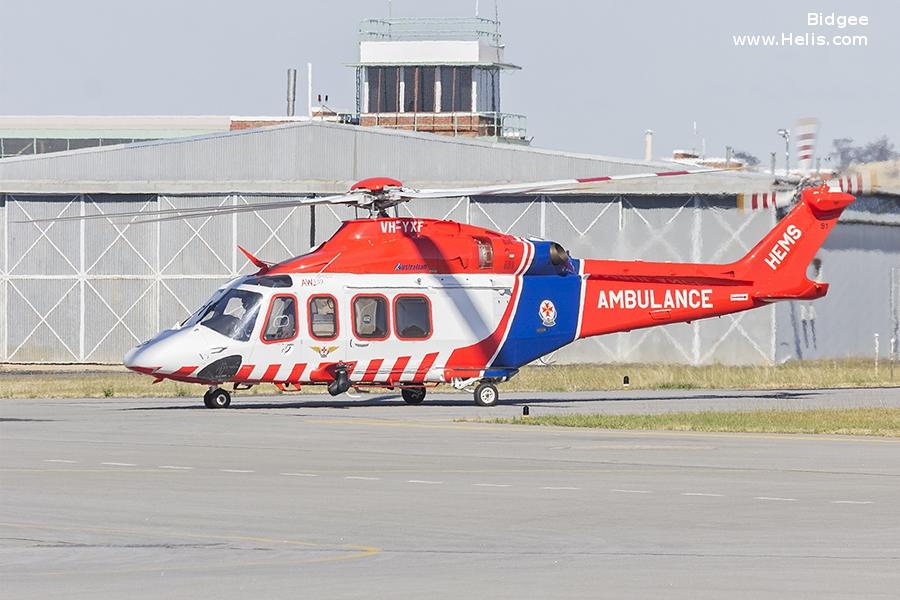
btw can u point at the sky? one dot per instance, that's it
(595, 74)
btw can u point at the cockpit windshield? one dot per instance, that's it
(233, 315)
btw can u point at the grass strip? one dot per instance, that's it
(876, 421)
(98, 381)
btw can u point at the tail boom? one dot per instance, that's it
(624, 295)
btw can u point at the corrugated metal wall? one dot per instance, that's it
(314, 152)
(87, 292)
(73, 292)
(861, 261)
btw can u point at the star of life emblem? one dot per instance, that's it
(547, 312)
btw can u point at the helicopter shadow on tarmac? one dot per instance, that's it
(388, 400)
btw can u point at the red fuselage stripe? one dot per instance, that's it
(271, 372)
(372, 369)
(184, 371)
(296, 373)
(399, 367)
(427, 363)
(244, 373)
(145, 370)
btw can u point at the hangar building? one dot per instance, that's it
(88, 291)
(428, 102)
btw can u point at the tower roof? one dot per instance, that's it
(469, 41)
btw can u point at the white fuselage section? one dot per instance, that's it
(462, 310)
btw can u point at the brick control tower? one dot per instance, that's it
(436, 75)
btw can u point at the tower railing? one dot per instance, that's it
(430, 28)
(505, 126)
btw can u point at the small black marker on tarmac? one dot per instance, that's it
(525, 412)
(626, 381)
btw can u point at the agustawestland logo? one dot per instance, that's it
(783, 247)
(324, 351)
(547, 312)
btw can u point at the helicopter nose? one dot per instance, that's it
(154, 354)
(142, 359)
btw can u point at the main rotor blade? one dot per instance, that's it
(557, 185)
(249, 208)
(202, 211)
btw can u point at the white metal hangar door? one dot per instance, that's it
(88, 291)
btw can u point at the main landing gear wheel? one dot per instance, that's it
(217, 398)
(413, 395)
(486, 394)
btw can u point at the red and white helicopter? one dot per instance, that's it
(407, 303)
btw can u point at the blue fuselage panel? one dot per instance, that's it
(546, 317)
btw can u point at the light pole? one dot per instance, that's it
(786, 134)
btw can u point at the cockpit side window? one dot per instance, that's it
(198, 314)
(233, 315)
(281, 323)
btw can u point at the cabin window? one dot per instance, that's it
(323, 319)
(412, 317)
(485, 253)
(281, 324)
(370, 317)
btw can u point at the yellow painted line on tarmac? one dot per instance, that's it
(462, 426)
(353, 551)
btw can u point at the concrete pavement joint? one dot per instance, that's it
(419, 481)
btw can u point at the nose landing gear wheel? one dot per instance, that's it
(486, 394)
(217, 398)
(413, 395)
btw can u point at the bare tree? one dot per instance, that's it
(746, 158)
(846, 154)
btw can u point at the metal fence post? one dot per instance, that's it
(543, 217)
(696, 252)
(876, 354)
(158, 267)
(6, 246)
(81, 277)
(312, 226)
(893, 355)
(234, 237)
